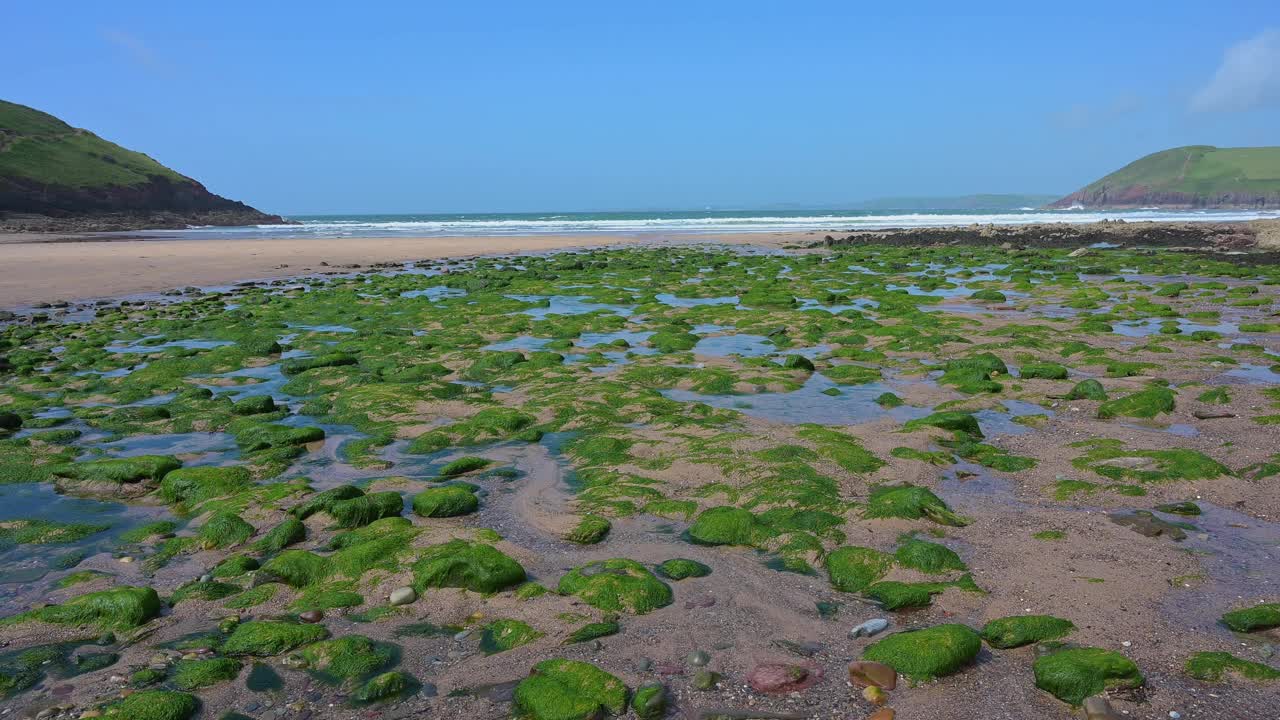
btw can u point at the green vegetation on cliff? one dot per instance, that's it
(1194, 176)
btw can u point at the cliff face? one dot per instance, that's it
(56, 177)
(1139, 196)
(1196, 176)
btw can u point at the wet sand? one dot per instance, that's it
(54, 268)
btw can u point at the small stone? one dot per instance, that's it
(1174, 715)
(781, 678)
(428, 690)
(698, 658)
(882, 714)
(872, 674)
(869, 628)
(206, 578)
(1097, 708)
(643, 665)
(705, 680)
(875, 695)
(402, 596)
(311, 616)
(126, 559)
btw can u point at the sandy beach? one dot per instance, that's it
(50, 268)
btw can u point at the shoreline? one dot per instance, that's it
(42, 270)
(69, 271)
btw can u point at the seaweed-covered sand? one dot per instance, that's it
(696, 482)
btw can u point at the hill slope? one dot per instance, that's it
(1195, 176)
(71, 179)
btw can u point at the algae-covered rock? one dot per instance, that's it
(296, 568)
(348, 658)
(447, 501)
(650, 701)
(323, 501)
(190, 486)
(616, 585)
(153, 705)
(384, 687)
(1143, 404)
(726, 525)
(473, 566)
(928, 557)
(1019, 630)
(463, 465)
(196, 674)
(264, 436)
(234, 566)
(592, 631)
(1252, 619)
(1214, 666)
(223, 530)
(895, 595)
(1088, 390)
(286, 533)
(590, 530)
(120, 471)
(569, 690)
(120, 608)
(952, 420)
(929, 653)
(263, 638)
(360, 511)
(851, 569)
(910, 502)
(502, 635)
(1074, 674)
(1043, 371)
(681, 568)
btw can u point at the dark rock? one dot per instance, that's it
(777, 678)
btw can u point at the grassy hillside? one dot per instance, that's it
(1195, 175)
(38, 147)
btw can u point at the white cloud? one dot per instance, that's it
(1247, 79)
(132, 46)
(1083, 116)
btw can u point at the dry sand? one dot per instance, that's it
(49, 268)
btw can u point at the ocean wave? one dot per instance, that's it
(692, 223)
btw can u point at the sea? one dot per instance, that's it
(682, 222)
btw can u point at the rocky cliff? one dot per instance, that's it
(54, 177)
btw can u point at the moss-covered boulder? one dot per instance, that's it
(1144, 404)
(506, 634)
(466, 464)
(681, 568)
(726, 525)
(1074, 674)
(617, 585)
(119, 471)
(190, 486)
(1088, 390)
(223, 530)
(153, 705)
(929, 653)
(386, 686)
(263, 638)
(120, 608)
(348, 659)
(569, 690)
(1043, 371)
(910, 502)
(649, 702)
(1019, 630)
(1214, 666)
(460, 564)
(852, 569)
(324, 500)
(953, 420)
(360, 511)
(1263, 616)
(196, 674)
(590, 530)
(446, 501)
(928, 557)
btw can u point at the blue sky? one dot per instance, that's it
(486, 106)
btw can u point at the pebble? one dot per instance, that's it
(872, 674)
(869, 628)
(311, 616)
(705, 680)
(698, 658)
(875, 695)
(1097, 708)
(402, 596)
(882, 714)
(779, 678)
